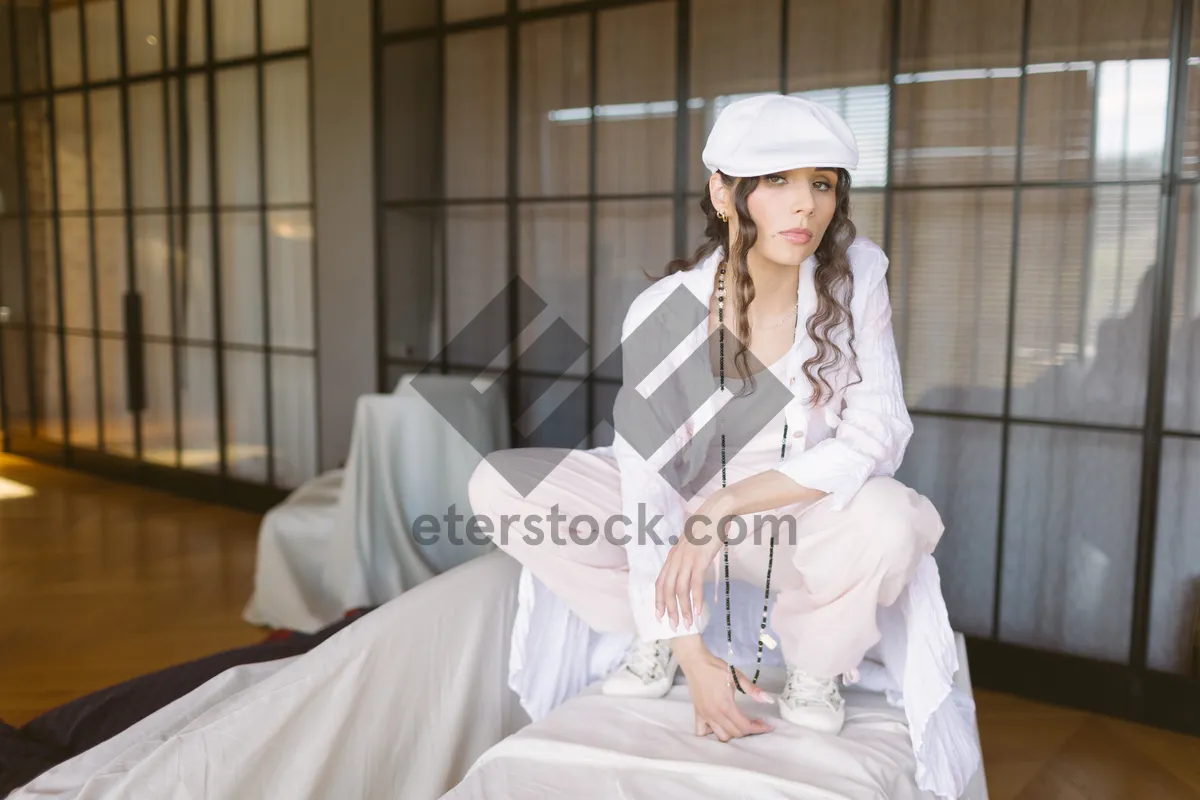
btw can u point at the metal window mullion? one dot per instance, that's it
(215, 227)
(442, 216)
(511, 213)
(93, 277)
(56, 223)
(683, 79)
(172, 255)
(1160, 332)
(1010, 334)
(138, 361)
(23, 224)
(312, 246)
(264, 254)
(592, 219)
(784, 16)
(889, 190)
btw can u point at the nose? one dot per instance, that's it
(805, 202)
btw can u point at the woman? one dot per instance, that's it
(708, 439)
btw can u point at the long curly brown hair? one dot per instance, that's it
(833, 278)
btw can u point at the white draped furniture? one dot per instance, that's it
(345, 539)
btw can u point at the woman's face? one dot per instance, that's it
(792, 211)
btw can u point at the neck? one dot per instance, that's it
(775, 285)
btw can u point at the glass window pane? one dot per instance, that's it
(6, 77)
(196, 304)
(43, 275)
(290, 254)
(147, 145)
(108, 151)
(47, 369)
(635, 89)
(554, 115)
(285, 24)
(826, 53)
(457, 10)
(476, 239)
(81, 389)
(409, 147)
(865, 109)
(1190, 165)
(198, 408)
(1083, 30)
(12, 278)
(412, 266)
(151, 254)
(241, 277)
(16, 380)
(111, 270)
(399, 15)
(72, 152)
(1183, 364)
(867, 213)
(553, 250)
(77, 272)
(158, 418)
(64, 46)
(1096, 89)
(118, 421)
(30, 52)
(245, 414)
(633, 237)
(1070, 537)
(476, 114)
(142, 34)
(36, 138)
(604, 397)
(951, 257)
(1083, 310)
(9, 194)
(1176, 556)
(233, 29)
(749, 64)
(286, 130)
(103, 56)
(957, 92)
(956, 464)
(237, 136)
(293, 417)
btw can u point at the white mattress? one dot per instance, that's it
(598, 747)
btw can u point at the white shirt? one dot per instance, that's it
(862, 431)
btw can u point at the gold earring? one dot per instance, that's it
(721, 216)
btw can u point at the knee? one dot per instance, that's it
(896, 522)
(486, 490)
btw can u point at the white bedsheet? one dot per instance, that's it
(595, 748)
(402, 703)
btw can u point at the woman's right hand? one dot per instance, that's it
(712, 690)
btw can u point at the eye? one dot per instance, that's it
(775, 180)
(822, 185)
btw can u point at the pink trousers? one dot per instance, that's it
(831, 575)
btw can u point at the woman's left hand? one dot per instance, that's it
(680, 583)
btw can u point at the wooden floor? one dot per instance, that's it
(100, 582)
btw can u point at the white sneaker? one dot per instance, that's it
(812, 702)
(647, 671)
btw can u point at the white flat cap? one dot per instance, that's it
(773, 132)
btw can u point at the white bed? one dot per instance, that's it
(403, 702)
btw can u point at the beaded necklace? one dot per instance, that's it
(762, 632)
